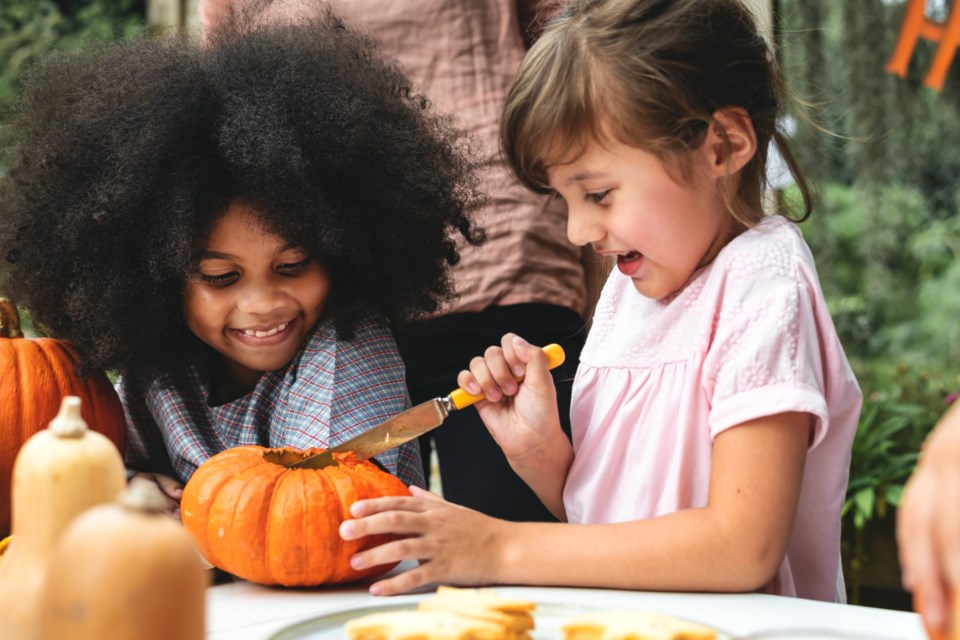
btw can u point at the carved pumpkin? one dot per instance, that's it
(35, 375)
(253, 517)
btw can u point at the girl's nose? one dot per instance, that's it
(260, 298)
(584, 227)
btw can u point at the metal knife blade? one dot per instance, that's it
(403, 427)
(409, 424)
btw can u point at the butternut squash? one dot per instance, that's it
(58, 473)
(126, 571)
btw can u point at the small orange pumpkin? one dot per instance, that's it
(253, 517)
(35, 375)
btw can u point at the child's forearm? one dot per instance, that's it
(690, 550)
(735, 543)
(546, 474)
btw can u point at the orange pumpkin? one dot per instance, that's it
(35, 375)
(253, 517)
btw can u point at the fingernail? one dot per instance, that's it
(474, 388)
(519, 370)
(520, 342)
(376, 590)
(494, 396)
(356, 562)
(510, 389)
(346, 530)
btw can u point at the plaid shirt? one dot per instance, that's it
(331, 391)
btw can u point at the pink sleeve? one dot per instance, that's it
(766, 355)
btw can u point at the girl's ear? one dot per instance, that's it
(730, 148)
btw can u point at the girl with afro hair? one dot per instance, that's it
(235, 227)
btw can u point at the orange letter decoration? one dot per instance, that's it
(916, 25)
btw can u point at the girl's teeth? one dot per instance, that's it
(265, 334)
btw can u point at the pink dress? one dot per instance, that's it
(749, 336)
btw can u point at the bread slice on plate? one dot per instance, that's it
(485, 604)
(634, 625)
(423, 625)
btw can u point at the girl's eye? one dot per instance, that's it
(597, 197)
(291, 268)
(220, 279)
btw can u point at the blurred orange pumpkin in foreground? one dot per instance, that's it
(254, 518)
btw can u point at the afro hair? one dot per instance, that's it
(119, 160)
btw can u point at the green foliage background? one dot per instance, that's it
(32, 29)
(886, 236)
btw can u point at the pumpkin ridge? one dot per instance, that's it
(335, 546)
(287, 530)
(347, 491)
(9, 401)
(54, 363)
(205, 502)
(280, 479)
(28, 422)
(303, 568)
(218, 549)
(202, 492)
(249, 512)
(191, 511)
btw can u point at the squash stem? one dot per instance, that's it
(9, 320)
(69, 423)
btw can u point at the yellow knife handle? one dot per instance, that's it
(555, 358)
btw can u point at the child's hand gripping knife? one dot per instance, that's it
(522, 416)
(452, 543)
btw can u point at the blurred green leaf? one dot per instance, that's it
(30, 30)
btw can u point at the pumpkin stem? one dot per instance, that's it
(69, 423)
(9, 320)
(144, 496)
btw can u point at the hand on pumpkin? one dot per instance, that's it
(522, 417)
(453, 544)
(928, 523)
(171, 488)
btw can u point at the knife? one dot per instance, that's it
(409, 424)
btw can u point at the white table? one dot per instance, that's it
(245, 611)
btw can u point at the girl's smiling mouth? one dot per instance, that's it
(265, 335)
(629, 263)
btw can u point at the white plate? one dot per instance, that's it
(549, 618)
